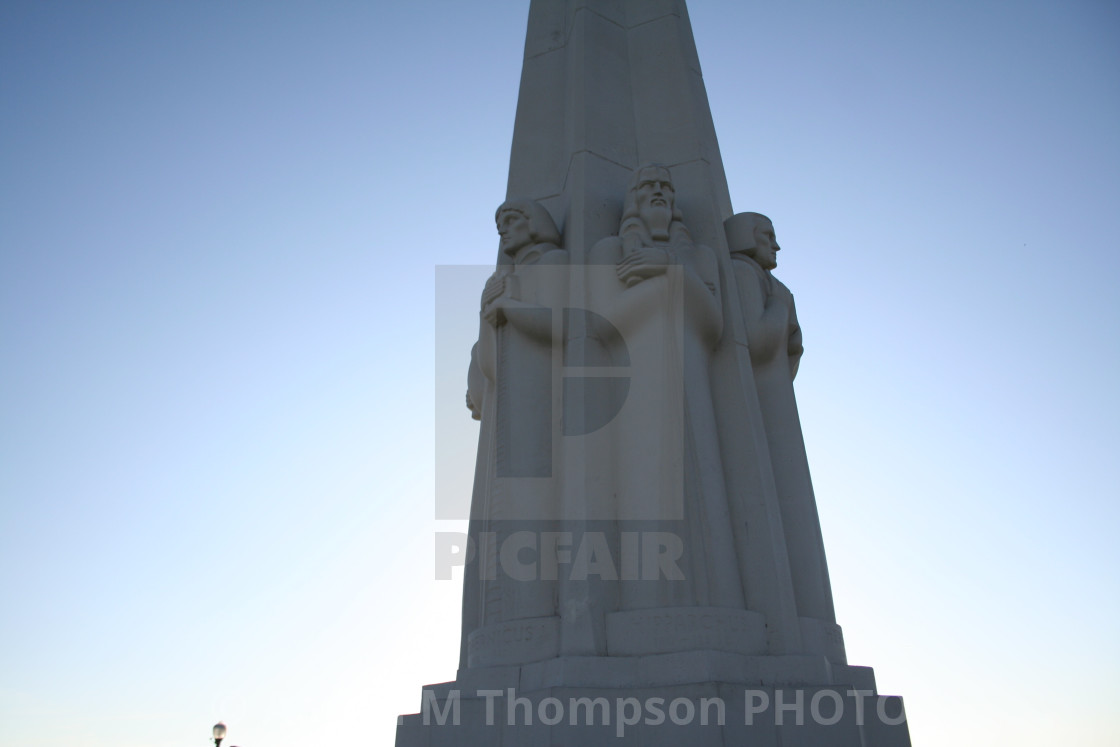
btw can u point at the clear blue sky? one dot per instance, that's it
(219, 228)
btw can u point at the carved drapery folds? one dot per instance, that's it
(511, 390)
(641, 482)
(775, 344)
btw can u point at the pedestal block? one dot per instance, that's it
(696, 698)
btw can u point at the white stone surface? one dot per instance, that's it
(514, 642)
(775, 343)
(628, 388)
(668, 629)
(510, 388)
(643, 518)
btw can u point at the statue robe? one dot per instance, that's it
(664, 473)
(512, 373)
(774, 340)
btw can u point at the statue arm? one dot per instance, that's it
(528, 318)
(495, 286)
(766, 306)
(702, 292)
(643, 263)
(795, 347)
(773, 323)
(485, 351)
(476, 385)
(616, 274)
(532, 319)
(621, 300)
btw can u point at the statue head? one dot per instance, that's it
(651, 203)
(522, 223)
(752, 234)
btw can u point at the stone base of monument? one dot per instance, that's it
(694, 698)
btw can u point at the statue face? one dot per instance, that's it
(766, 245)
(514, 230)
(655, 196)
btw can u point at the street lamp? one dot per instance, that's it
(219, 733)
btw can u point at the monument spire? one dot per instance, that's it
(605, 88)
(642, 521)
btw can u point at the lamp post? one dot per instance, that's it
(219, 733)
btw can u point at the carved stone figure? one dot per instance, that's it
(643, 524)
(664, 298)
(774, 339)
(528, 237)
(511, 390)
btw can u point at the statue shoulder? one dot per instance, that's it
(552, 255)
(746, 266)
(606, 251)
(779, 286)
(702, 258)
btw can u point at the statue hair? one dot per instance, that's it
(542, 229)
(741, 229)
(632, 222)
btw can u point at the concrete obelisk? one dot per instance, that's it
(605, 88)
(639, 436)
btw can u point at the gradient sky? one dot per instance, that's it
(220, 224)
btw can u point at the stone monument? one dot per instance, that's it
(645, 563)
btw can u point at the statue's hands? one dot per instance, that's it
(491, 299)
(641, 264)
(494, 313)
(495, 286)
(475, 412)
